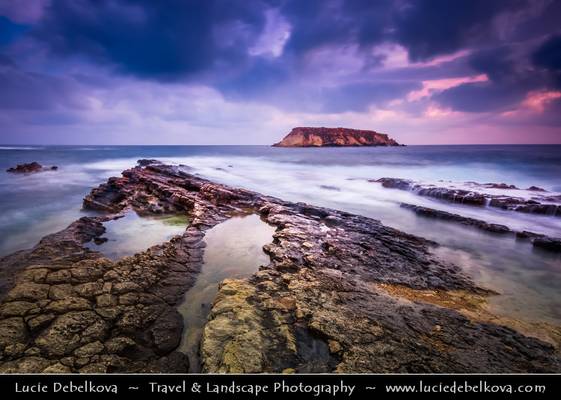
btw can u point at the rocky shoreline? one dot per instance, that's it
(538, 240)
(540, 203)
(342, 293)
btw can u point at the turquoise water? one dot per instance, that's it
(529, 280)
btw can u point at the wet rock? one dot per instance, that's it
(395, 183)
(147, 161)
(539, 204)
(100, 240)
(69, 331)
(548, 243)
(499, 186)
(30, 168)
(538, 240)
(446, 216)
(166, 331)
(317, 307)
(329, 187)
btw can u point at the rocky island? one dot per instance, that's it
(341, 293)
(334, 137)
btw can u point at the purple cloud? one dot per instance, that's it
(69, 68)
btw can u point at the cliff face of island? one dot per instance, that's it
(329, 137)
(342, 293)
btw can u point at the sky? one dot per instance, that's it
(247, 71)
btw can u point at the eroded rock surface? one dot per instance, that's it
(321, 304)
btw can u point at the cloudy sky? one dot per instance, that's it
(245, 72)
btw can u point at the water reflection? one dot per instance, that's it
(234, 250)
(132, 234)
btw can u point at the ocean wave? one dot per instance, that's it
(93, 148)
(20, 148)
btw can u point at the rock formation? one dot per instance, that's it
(334, 137)
(30, 168)
(538, 240)
(341, 293)
(541, 203)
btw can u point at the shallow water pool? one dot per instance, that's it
(234, 249)
(133, 234)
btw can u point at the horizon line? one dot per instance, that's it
(270, 145)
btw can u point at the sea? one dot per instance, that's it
(528, 280)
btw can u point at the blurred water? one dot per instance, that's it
(132, 234)
(34, 205)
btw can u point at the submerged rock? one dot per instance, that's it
(321, 305)
(548, 243)
(538, 240)
(30, 168)
(538, 204)
(329, 137)
(438, 214)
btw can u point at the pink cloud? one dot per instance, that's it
(437, 85)
(538, 100)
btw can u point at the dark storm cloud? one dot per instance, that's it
(210, 42)
(358, 96)
(10, 31)
(428, 28)
(513, 73)
(176, 38)
(162, 40)
(22, 90)
(321, 23)
(506, 87)
(481, 97)
(548, 57)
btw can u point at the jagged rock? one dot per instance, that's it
(321, 305)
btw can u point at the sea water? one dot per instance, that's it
(528, 279)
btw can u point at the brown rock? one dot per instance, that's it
(324, 137)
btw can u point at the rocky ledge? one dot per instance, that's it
(341, 293)
(30, 168)
(538, 240)
(541, 202)
(330, 137)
